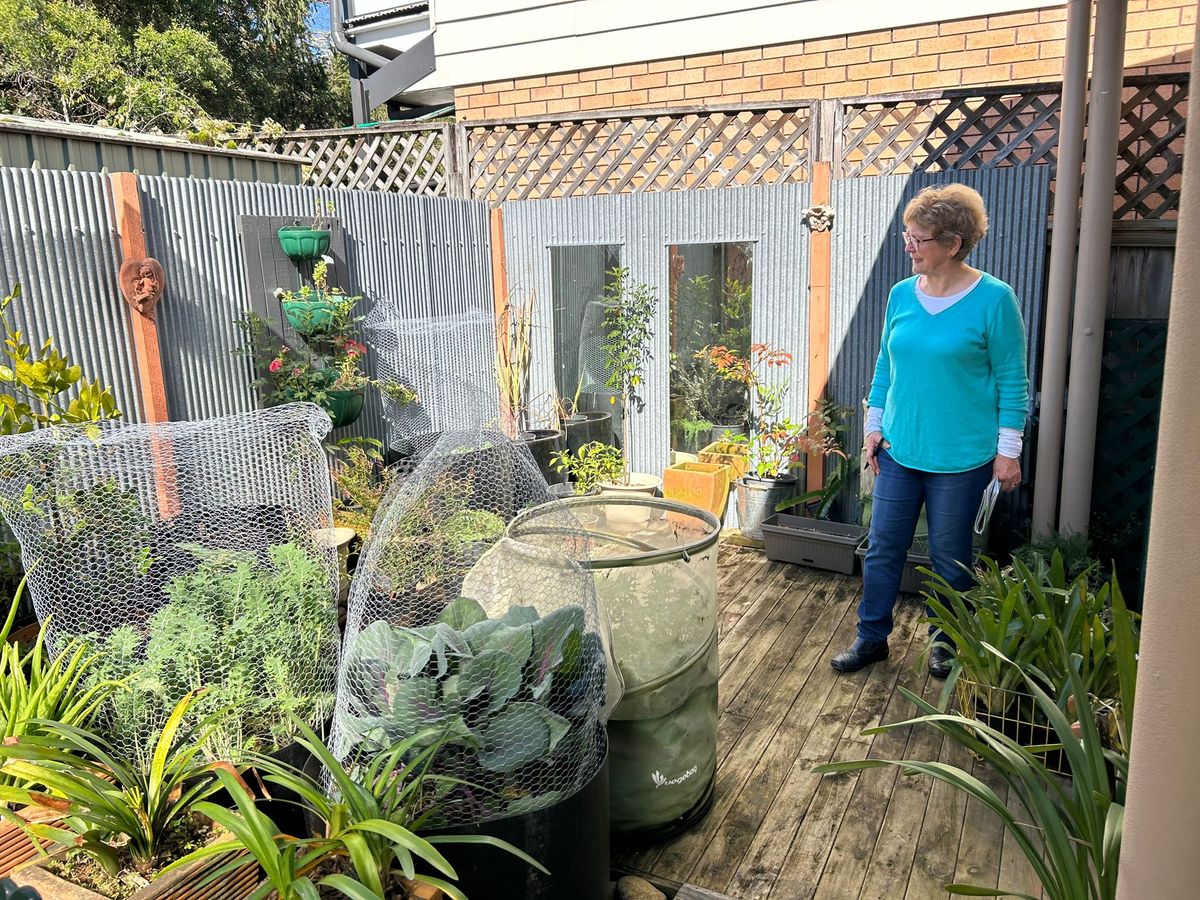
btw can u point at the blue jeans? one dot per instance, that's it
(951, 501)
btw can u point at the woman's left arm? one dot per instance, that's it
(1006, 354)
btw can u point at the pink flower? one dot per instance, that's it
(276, 365)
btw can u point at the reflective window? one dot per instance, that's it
(710, 294)
(579, 276)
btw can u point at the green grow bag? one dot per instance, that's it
(655, 568)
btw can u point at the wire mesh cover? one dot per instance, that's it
(455, 634)
(191, 554)
(446, 360)
(593, 335)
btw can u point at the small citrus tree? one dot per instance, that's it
(629, 320)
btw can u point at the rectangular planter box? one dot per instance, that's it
(16, 847)
(912, 581)
(179, 885)
(812, 542)
(739, 463)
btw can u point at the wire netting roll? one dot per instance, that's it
(496, 654)
(190, 554)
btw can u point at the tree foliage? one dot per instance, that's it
(164, 64)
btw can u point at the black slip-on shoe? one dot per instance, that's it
(861, 654)
(941, 659)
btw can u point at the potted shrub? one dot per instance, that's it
(319, 309)
(36, 686)
(593, 465)
(124, 816)
(580, 426)
(365, 840)
(776, 447)
(629, 317)
(309, 241)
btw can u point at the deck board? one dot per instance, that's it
(777, 831)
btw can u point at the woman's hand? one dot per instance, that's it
(871, 444)
(1008, 472)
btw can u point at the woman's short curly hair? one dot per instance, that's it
(953, 210)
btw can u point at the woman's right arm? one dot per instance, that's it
(877, 397)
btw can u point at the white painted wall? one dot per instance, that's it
(495, 40)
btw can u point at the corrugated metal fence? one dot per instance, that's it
(58, 238)
(645, 226)
(426, 256)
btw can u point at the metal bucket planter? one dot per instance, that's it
(304, 242)
(757, 499)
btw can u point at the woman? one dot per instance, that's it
(946, 410)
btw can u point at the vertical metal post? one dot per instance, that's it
(1091, 282)
(1162, 816)
(1067, 178)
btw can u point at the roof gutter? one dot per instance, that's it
(337, 30)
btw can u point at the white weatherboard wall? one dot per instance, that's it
(645, 225)
(494, 40)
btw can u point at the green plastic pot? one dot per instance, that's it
(309, 316)
(344, 407)
(304, 242)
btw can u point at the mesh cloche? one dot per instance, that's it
(452, 636)
(191, 555)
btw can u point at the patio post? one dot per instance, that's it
(1162, 816)
(1063, 247)
(819, 267)
(1091, 282)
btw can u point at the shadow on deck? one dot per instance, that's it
(778, 831)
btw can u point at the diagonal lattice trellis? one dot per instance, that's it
(403, 159)
(660, 151)
(1150, 152)
(993, 127)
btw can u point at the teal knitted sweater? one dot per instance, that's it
(948, 382)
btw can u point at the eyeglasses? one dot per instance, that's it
(910, 241)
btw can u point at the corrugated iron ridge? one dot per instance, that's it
(59, 240)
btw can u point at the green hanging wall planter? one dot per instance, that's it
(344, 407)
(309, 317)
(304, 241)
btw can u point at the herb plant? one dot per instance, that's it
(591, 465)
(510, 697)
(263, 639)
(360, 481)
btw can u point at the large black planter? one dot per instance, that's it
(543, 443)
(585, 427)
(570, 839)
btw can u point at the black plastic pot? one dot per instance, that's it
(286, 808)
(585, 427)
(543, 443)
(570, 839)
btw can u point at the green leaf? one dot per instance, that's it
(462, 613)
(519, 734)
(493, 676)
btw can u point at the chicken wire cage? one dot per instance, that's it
(448, 363)
(457, 636)
(190, 555)
(655, 568)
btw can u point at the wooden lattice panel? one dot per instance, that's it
(404, 159)
(660, 151)
(957, 130)
(1150, 152)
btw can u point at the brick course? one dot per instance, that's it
(1018, 47)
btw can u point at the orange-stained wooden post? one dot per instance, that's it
(500, 300)
(819, 263)
(142, 283)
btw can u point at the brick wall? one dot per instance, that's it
(1013, 48)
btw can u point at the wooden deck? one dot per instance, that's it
(778, 831)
